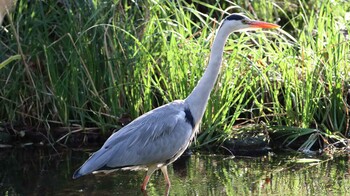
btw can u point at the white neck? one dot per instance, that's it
(198, 99)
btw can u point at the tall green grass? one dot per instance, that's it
(96, 65)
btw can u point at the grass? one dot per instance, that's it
(99, 65)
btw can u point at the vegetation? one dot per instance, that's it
(81, 66)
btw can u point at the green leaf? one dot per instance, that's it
(9, 60)
(306, 160)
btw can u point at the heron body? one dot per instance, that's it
(146, 141)
(158, 137)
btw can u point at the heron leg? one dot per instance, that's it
(165, 172)
(150, 171)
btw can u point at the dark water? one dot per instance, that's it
(46, 172)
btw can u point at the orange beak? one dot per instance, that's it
(264, 25)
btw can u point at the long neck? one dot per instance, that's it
(198, 99)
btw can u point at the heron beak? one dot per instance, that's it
(264, 25)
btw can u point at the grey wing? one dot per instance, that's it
(154, 137)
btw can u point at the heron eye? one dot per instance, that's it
(244, 21)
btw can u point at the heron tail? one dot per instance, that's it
(77, 174)
(95, 162)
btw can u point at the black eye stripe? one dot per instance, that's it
(235, 17)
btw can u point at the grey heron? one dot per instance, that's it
(158, 137)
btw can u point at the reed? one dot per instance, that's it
(95, 65)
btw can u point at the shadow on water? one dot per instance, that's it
(46, 172)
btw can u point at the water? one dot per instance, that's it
(46, 172)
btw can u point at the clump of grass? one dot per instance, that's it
(97, 64)
(309, 85)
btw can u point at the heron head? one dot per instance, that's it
(239, 22)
